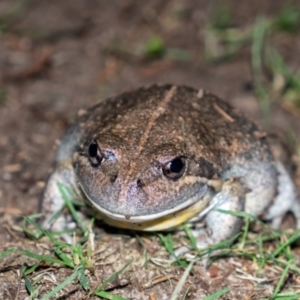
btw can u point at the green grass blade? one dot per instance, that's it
(285, 297)
(167, 242)
(66, 193)
(281, 280)
(58, 288)
(110, 296)
(190, 235)
(113, 277)
(30, 270)
(291, 240)
(44, 258)
(28, 286)
(217, 294)
(83, 279)
(245, 233)
(241, 214)
(39, 231)
(181, 282)
(67, 261)
(7, 252)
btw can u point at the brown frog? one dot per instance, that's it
(159, 156)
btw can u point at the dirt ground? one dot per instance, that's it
(59, 56)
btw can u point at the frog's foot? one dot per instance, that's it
(286, 199)
(220, 225)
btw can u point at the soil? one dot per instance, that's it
(57, 57)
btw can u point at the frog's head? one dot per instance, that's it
(157, 182)
(146, 154)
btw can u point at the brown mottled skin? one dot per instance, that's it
(137, 133)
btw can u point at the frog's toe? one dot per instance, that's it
(276, 222)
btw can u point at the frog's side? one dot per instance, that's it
(153, 158)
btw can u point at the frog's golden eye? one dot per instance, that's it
(175, 168)
(95, 155)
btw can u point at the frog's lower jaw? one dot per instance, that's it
(161, 221)
(158, 223)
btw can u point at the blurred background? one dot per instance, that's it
(59, 56)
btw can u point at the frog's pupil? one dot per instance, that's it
(176, 165)
(93, 150)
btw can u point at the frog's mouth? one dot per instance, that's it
(167, 219)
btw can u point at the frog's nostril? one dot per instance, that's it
(136, 198)
(140, 183)
(113, 178)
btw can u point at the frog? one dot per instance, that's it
(160, 156)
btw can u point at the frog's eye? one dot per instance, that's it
(94, 154)
(175, 168)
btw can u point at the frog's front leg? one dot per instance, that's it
(52, 200)
(219, 225)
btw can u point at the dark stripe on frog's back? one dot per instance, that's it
(108, 110)
(99, 115)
